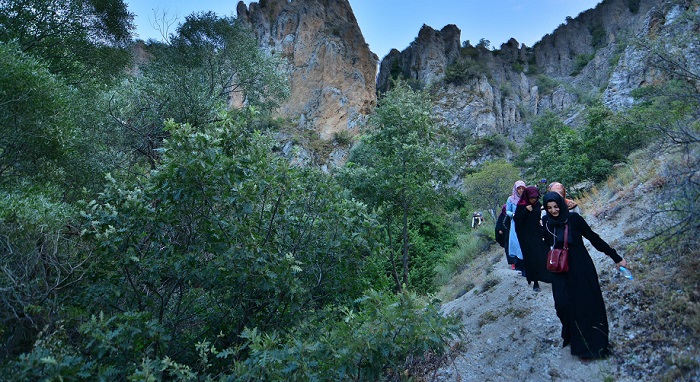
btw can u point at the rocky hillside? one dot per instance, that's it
(483, 92)
(331, 69)
(513, 333)
(479, 91)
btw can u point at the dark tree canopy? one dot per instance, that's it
(82, 40)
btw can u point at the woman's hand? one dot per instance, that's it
(529, 207)
(622, 263)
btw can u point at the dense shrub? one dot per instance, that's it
(580, 62)
(466, 69)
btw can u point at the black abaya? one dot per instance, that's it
(529, 232)
(578, 299)
(502, 238)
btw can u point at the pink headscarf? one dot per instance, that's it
(515, 198)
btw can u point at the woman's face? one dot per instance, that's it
(553, 208)
(520, 190)
(533, 200)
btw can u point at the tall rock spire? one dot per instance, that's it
(332, 70)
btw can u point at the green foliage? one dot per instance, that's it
(598, 36)
(46, 128)
(368, 343)
(395, 71)
(580, 62)
(343, 138)
(454, 260)
(585, 154)
(39, 263)
(546, 84)
(221, 241)
(83, 41)
(483, 44)
(35, 118)
(126, 345)
(209, 62)
(550, 138)
(397, 169)
(224, 235)
(231, 60)
(490, 186)
(496, 145)
(465, 69)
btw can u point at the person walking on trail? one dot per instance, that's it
(513, 244)
(501, 231)
(559, 189)
(578, 299)
(529, 232)
(477, 219)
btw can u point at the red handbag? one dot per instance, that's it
(558, 259)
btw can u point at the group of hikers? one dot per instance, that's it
(527, 229)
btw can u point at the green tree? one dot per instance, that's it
(398, 169)
(83, 41)
(225, 235)
(556, 151)
(41, 263)
(208, 63)
(40, 132)
(491, 185)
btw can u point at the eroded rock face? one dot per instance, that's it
(503, 90)
(332, 70)
(426, 59)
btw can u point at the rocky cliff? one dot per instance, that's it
(481, 92)
(332, 70)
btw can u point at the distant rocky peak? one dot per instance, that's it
(426, 58)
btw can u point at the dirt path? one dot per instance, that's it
(513, 333)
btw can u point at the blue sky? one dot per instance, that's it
(388, 24)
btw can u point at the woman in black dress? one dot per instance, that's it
(529, 231)
(501, 234)
(578, 299)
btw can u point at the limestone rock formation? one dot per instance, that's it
(425, 59)
(332, 70)
(482, 93)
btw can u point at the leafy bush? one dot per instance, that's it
(368, 343)
(373, 340)
(584, 154)
(491, 185)
(343, 137)
(225, 235)
(40, 264)
(466, 69)
(580, 62)
(598, 36)
(545, 84)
